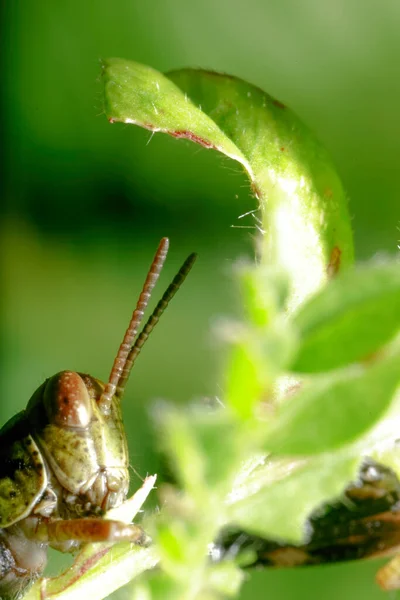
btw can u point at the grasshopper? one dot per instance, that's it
(64, 459)
(363, 523)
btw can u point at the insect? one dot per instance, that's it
(364, 523)
(64, 459)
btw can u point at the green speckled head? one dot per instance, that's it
(85, 449)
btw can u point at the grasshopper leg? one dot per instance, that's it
(90, 530)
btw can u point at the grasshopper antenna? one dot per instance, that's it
(152, 322)
(119, 366)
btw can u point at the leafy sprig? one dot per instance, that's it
(311, 379)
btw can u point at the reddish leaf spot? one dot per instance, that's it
(278, 104)
(255, 189)
(372, 357)
(282, 149)
(334, 262)
(111, 120)
(328, 193)
(189, 135)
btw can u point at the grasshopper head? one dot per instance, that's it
(84, 448)
(76, 419)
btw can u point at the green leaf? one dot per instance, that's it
(225, 579)
(350, 318)
(157, 586)
(246, 378)
(204, 446)
(264, 291)
(334, 410)
(279, 510)
(303, 206)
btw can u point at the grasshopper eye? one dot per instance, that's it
(66, 400)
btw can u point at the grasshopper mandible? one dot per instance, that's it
(64, 459)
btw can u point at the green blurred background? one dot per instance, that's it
(85, 203)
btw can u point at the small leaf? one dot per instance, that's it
(334, 410)
(225, 578)
(265, 292)
(204, 446)
(157, 586)
(246, 378)
(279, 510)
(349, 319)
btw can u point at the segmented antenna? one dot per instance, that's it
(104, 402)
(153, 320)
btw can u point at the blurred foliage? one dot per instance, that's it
(84, 203)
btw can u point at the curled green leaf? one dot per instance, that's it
(302, 202)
